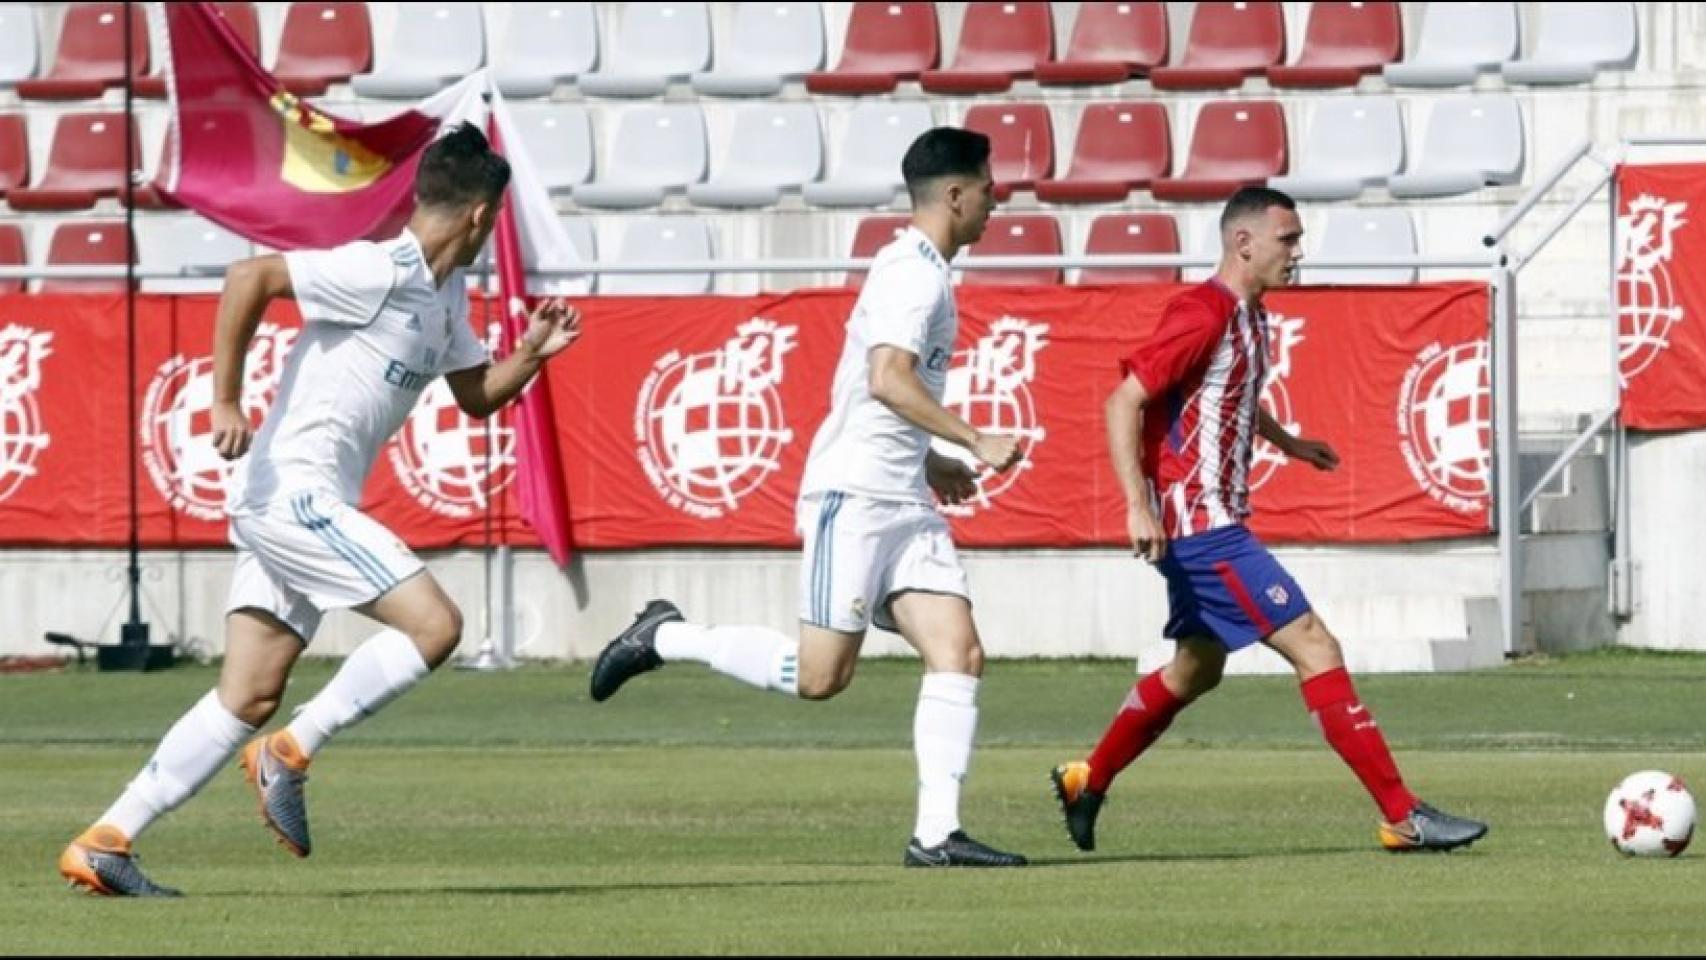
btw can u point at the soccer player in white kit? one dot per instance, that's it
(380, 321)
(876, 550)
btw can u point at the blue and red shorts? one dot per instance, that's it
(1225, 585)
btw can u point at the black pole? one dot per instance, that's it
(131, 633)
(133, 651)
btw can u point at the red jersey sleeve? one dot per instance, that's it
(1181, 345)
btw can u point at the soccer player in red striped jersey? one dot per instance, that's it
(1181, 425)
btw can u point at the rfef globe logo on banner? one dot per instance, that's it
(989, 387)
(1646, 298)
(22, 434)
(710, 427)
(1284, 335)
(177, 422)
(1445, 424)
(451, 463)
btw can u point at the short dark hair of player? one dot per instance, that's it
(1253, 201)
(942, 152)
(459, 169)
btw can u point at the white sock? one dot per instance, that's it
(942, 734)
(759, 656)
(190, 753)
(378, 672)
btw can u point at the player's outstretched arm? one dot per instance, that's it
(894, 383)
(249, 286)
(481, 391)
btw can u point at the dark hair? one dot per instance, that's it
(942, 152)
(1253, 200)
(459, 169)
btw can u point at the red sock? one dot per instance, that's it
(1147, 712)
(1350, 729)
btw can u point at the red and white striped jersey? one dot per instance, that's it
(1203, 369)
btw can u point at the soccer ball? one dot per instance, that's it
(1650, 814)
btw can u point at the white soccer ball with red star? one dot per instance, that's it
(1650, 814)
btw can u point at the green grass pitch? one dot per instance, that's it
(504, 814)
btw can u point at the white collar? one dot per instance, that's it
(926, 250)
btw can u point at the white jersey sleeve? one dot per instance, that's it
(346, 285)
(899, 299)
(466, 351)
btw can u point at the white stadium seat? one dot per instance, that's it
(1576, 41)
(559, 141)
(434, 45)
(657, 149)
(770, 44)
(869, 173)
(1472, 142)
(1354, 143)
(658, 43)
(1459, 41)
(1366, 231)
(775, 147)
(662, 240)
(544, 45)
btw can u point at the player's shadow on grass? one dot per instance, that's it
(1091, 859)
(571, 889)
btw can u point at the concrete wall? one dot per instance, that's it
(1392, 606)
(1667, 528)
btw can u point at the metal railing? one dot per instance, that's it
(1472, 261)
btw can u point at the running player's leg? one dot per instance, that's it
(423, 628)
(835, 577)
(331, 556)
(815, 666)
(1145, 714)
(259, 652)
(1345, 722)
(1150, 706)
(944, 726)
(1349, 728)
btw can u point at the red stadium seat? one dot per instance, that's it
(86, 163)
(14, 152)
(886, 43)
(1131, 233)
(1236, 143)
(1228, 42)
(1000, 42)
(87, 242)
(1111, 43)
(11, 255)
(1016, 235)
(1121, 147)
(323, 44)
(91, 53)
(1343, 42)
(1021, 149)
(241, 17)
(873, 234)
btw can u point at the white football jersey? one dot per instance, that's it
(375, 332)
(863, 447)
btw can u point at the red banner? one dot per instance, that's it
(687, 420)
(1661, 303)
(64, 430)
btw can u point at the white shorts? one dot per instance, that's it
(311, 552)
(860, 553)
